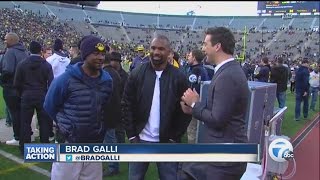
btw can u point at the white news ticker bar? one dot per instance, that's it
(162, 157)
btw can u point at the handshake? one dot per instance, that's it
(188, 100)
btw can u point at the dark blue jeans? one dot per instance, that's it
(281, 96)
(314, 96)
(304, 99)
(110, 138)
(166, 170)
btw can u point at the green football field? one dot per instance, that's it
(10, 170)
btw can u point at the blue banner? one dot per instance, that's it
(158, 148)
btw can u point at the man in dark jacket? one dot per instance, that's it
(302, 89)
(153, 86)
(209, 67)
(76, 101)
(279, 75)
(265, 70)
(196, 73)
(196, 69)
(248, 70)
(15, 53)
(112, 113)
(32, 79)
(75, 53)
(116, 64)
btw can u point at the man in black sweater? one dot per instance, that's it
(75, 53)
(302, 89)
(116, 64)
(264, 72)
(279, 75)
(195, 73)
(112, 113)
(32, 80)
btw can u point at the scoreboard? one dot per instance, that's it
(271, 7)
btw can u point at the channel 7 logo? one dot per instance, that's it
(281, 150)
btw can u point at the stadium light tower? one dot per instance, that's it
(158, 18)
(262, 31)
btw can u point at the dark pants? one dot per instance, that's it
(51, 133)
(110, 138)
(12, 101)
(28, 105)
(120, 134)
(166, 170)
(305, 100)
(281, 96)
(292, 86)
(200, 171)
(8, 117)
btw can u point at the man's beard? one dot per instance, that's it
(157, 62)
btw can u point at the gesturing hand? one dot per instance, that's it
(186, 109)
(190, 96)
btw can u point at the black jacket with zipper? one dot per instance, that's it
(33, 76)
(137, 101)
(112, 111)
(279, 75)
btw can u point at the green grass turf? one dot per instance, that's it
(10, 170)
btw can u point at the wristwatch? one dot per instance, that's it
(192, 105)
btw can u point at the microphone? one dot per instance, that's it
(193, 80)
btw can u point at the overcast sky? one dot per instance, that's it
(204, 8)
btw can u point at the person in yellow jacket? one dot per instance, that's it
(172, 60)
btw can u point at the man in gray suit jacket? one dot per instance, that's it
(223, 113)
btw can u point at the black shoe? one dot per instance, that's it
(110, 173)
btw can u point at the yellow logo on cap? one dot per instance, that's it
(100, 47)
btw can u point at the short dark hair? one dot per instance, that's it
(304, 61)
(115, 56)
(224, 36)
(107, 58)
(176, 56)
(280, 60)
(265, 60)
(44, 49)
(198, 54)
(163, 37)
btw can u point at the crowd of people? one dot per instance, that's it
(32, 26)
(302, 75)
